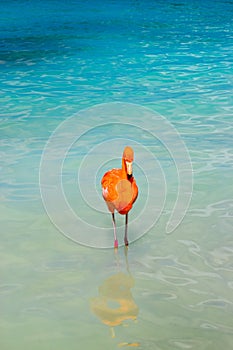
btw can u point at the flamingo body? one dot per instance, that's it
(118, 192)
(119, 189)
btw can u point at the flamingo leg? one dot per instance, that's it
(126, 230)
(114, 231)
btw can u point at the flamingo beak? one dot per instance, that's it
(129, 168)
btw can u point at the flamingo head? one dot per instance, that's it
(128, 157)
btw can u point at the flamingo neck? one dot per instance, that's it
(124, 170)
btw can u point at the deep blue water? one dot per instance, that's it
(77, 81)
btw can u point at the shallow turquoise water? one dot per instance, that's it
(174, 58)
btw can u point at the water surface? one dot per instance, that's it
(172, 291)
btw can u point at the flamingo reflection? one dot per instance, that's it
(115, 303)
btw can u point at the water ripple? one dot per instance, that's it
(10, 288)
(219, 303)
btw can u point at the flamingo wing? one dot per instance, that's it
(134, 190)
(128, 192)
(109, 182)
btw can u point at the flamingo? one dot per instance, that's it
(120, 190)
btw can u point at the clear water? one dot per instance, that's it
(171, 291)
